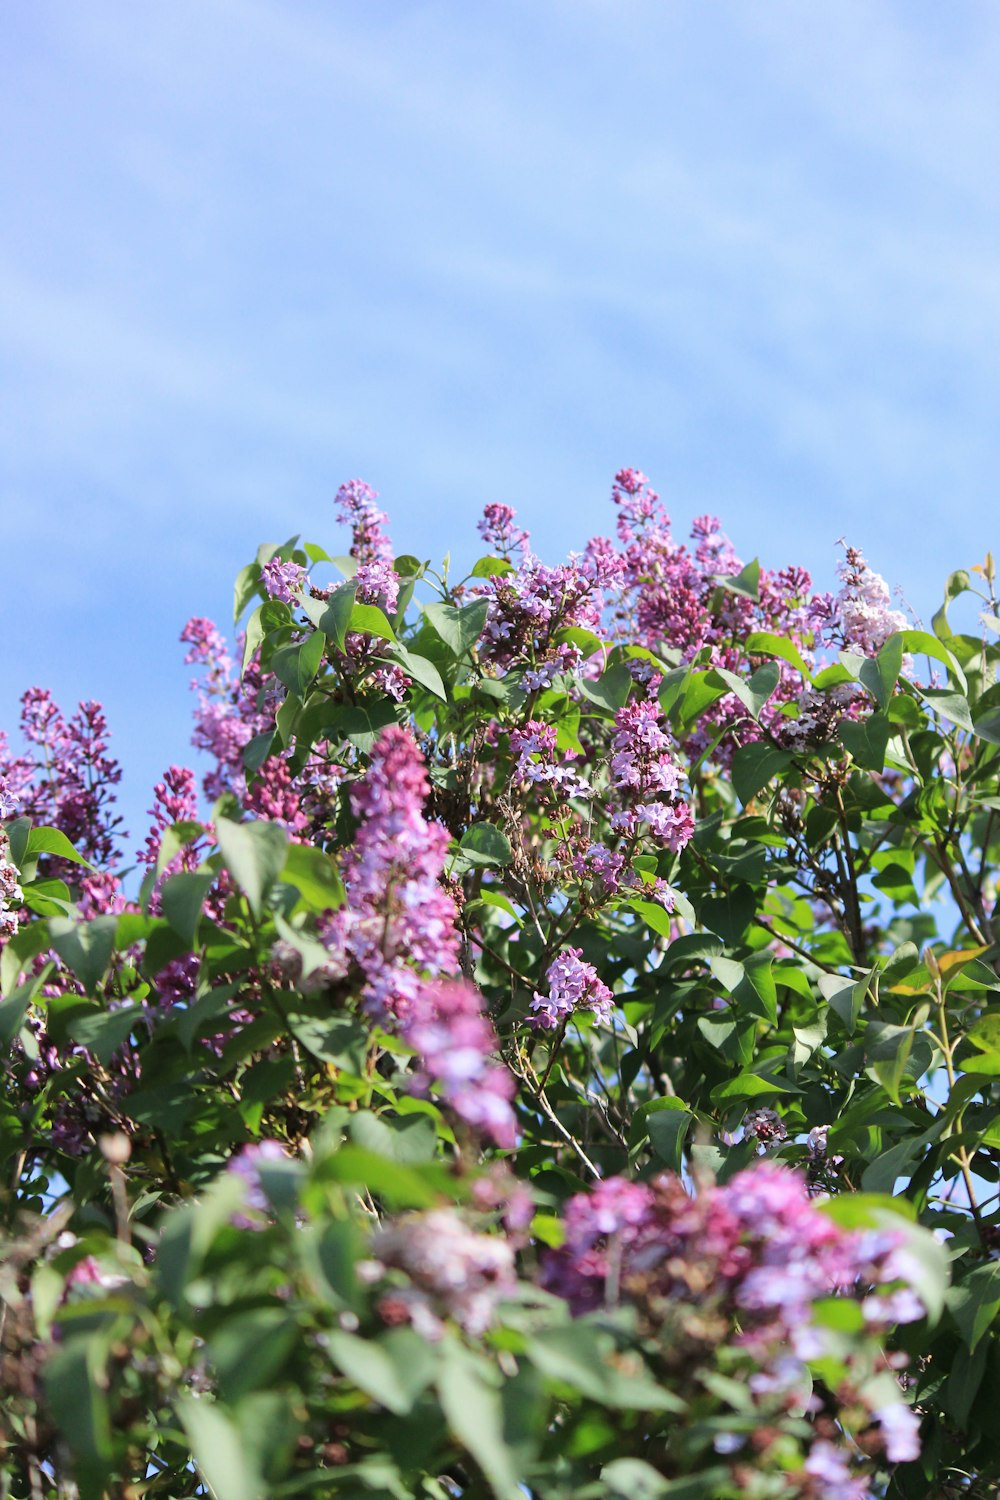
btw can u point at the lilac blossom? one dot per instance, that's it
(498, 530)
(572, 985)
(398, 932)
(175, 800)
(646, 778)
(282, 580)
(10, 890)
(534, 745)
(451, 1270)
(862, 607)
(246, 1164)
(456, 1043)
(757, 1252)
(376, 579)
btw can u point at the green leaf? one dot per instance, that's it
(75, 1383)
(951, 706)
(497, 899)
(654, 915)
(474, 1413)
(368, 619)
(460, 629)
(105, 1032)
(223, 1460)
(410, 1140)
(576, 1354)
(257, 750)
(315, 876)
(52, 841)
(246, 586)
(182, 897)
(254, 854)
(754, 766)
(393, 1370)
(17, 835)
(14, 1008)
(866, 740)
(633, 1479)
(764, 643)
(987, 726)
(492, 567)
(485, 844)
(753, 694)
(296, 664)
(421, 670)
(174, 839)
(333, 616)
(749, 1086)
(667, 1126)
(921, 643)
(361, 723)
(85, 946)
(402, 1186)
(975, 1303)
(958, 583)
(611, 689)
(746, 583)
(253, 638)
(880, 674)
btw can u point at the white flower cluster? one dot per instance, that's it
(863, 605)
(10, 890)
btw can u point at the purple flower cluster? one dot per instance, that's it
(175, 800)
(451, 1272)
(756, 1253)
(647, 779)
(282, 580)
(246, 1164)
(534, 746)
(862, 608)
(499, 531)
(376, 579)
(10, 890)
(398, 923)
(397, 930)
(230, 713)
(455, 1043)
(572, 985)
(67, 781)
(530, 608)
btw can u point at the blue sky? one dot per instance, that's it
(477, 252)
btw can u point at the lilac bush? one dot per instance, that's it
(547, 1046)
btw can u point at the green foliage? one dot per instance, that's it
(819, 986)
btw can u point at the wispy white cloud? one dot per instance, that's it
(489, 253)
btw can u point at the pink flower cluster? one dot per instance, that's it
(757, 1252)
(499, 531)
(282, 580)
(862, 607)
(398, 931)
(455, 1043)
(534, 745)
(572, 985)
(451, 1272)
(647, 778)
(376, 578)
(530, 607)
(67, 781)
(10, 890)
